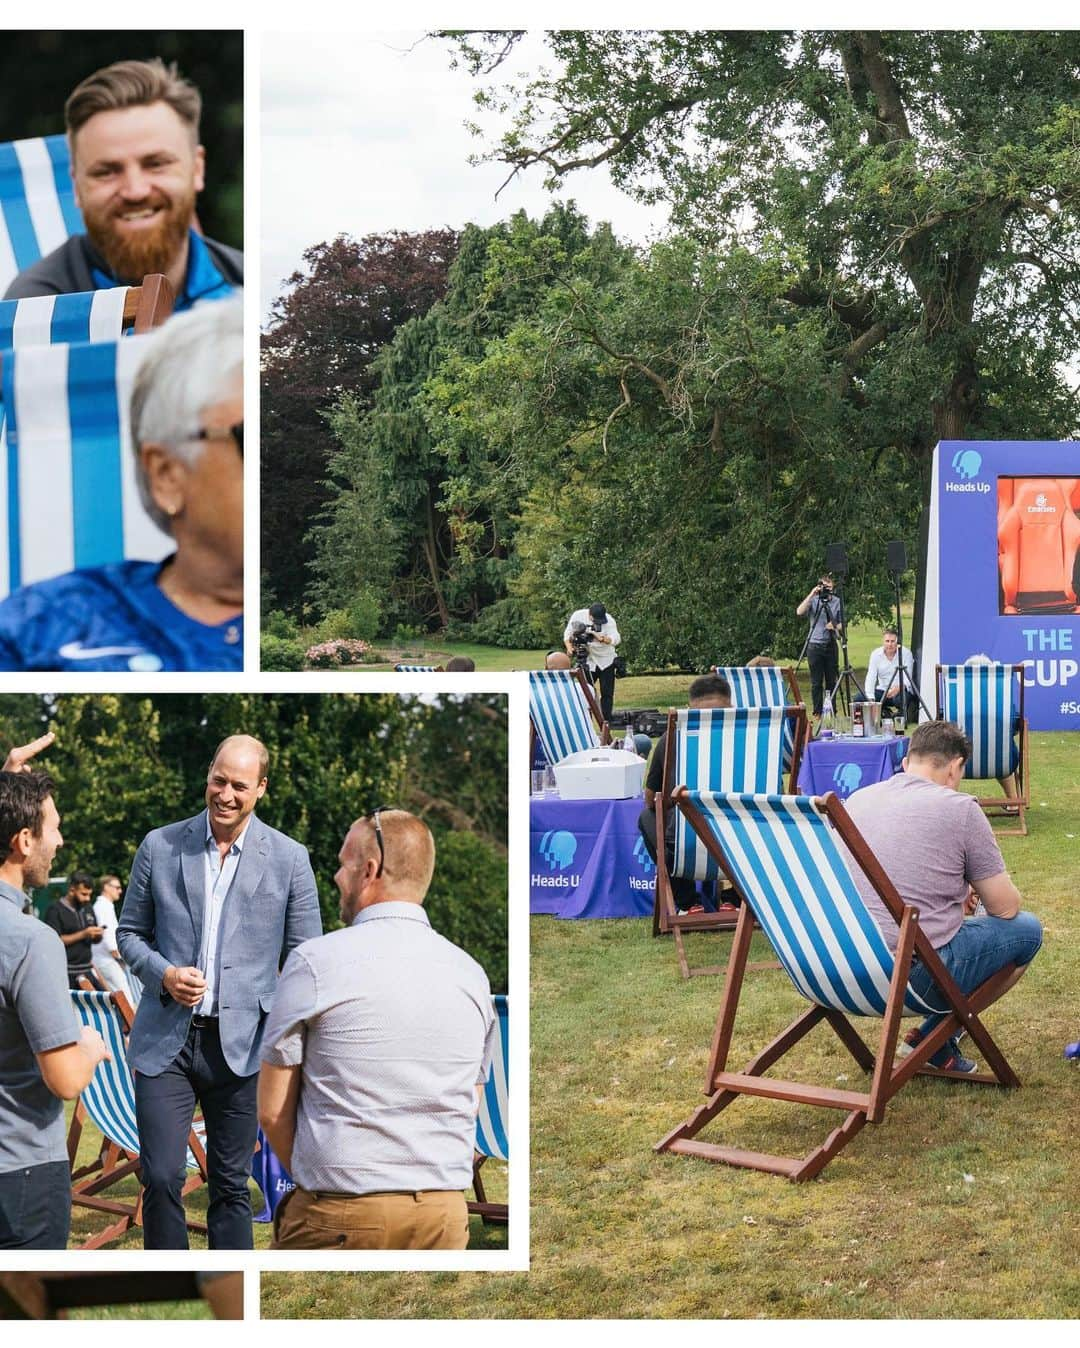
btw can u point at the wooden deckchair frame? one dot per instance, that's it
(47, 1296)
(887, 1077)
(602, 728)
(1001, 807)
(113, 1164)
(667, 920)
(497, 1214)
(147, 306)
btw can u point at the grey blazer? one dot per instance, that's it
(271, 907)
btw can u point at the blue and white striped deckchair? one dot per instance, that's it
(766, 686)
(417, 669)
(493, 1119)
(109, 1102)
(94, 316)
(790, 858)
(37, 203)
(714, 749)
(68, 494)
(987, 702)
(564, 713)
(90, 316)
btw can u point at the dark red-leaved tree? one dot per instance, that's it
(325, 328)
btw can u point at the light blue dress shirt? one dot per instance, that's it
(218, 875)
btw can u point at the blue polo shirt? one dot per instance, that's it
(35, 1015)
(112, 618)
(203, 280)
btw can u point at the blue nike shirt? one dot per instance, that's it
(111, 618)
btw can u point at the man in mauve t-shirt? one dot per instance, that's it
(937, 847)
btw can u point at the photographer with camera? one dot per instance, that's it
(590, 640)
(823, 606)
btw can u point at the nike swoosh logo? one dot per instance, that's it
(75, 650)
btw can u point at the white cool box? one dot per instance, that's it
(600, 774)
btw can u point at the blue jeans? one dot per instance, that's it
(35, 1207)
(981, 947)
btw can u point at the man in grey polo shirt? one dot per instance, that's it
(376, 1044)
(44, 1056)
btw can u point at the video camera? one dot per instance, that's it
(580, 636)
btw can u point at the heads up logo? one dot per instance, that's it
(558, 848)
(967, 464)
(641, 854)
(848, 778)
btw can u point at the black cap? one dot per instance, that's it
(598, 613)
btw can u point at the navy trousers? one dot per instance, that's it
(164, 1106)
(35, 1207)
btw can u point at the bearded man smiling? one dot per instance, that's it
(137, 168)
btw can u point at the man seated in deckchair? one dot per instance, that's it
(710, 690)
(937, 847)
(137, 168)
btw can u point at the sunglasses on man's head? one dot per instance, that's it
(374, 817)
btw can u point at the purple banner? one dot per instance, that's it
(1001, 569)
(587, 859)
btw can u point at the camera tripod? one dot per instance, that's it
(841, 689)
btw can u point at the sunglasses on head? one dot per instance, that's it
(374, 817)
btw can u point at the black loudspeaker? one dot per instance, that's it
(897, 556)
(836, 559)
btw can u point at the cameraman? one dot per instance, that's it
(823, 606)
(593, 632)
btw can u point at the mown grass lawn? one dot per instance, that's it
(85, 1222)
(634, 691)
(962, 1204)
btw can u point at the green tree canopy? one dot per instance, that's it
(924, 184)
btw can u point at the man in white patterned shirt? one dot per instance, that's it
(376, 1047)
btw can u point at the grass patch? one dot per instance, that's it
(892, 1229)
(150, 1310)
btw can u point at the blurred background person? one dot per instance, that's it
(72, 918)
(108, 964)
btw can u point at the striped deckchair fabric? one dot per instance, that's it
(493, 1118)
(723, 749)
(561, 714)
(987, 702)
(416, 669)
(492, 1127)
(984, 701)
(93, 316)
(791, 860)
(715, 749)
(67, 480)
(783, 855)
(756, 685)
(764, 686)
(37, 203)
(90, 316)
(109, 1102)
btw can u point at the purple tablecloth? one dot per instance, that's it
(587, 859)
(847, 765)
